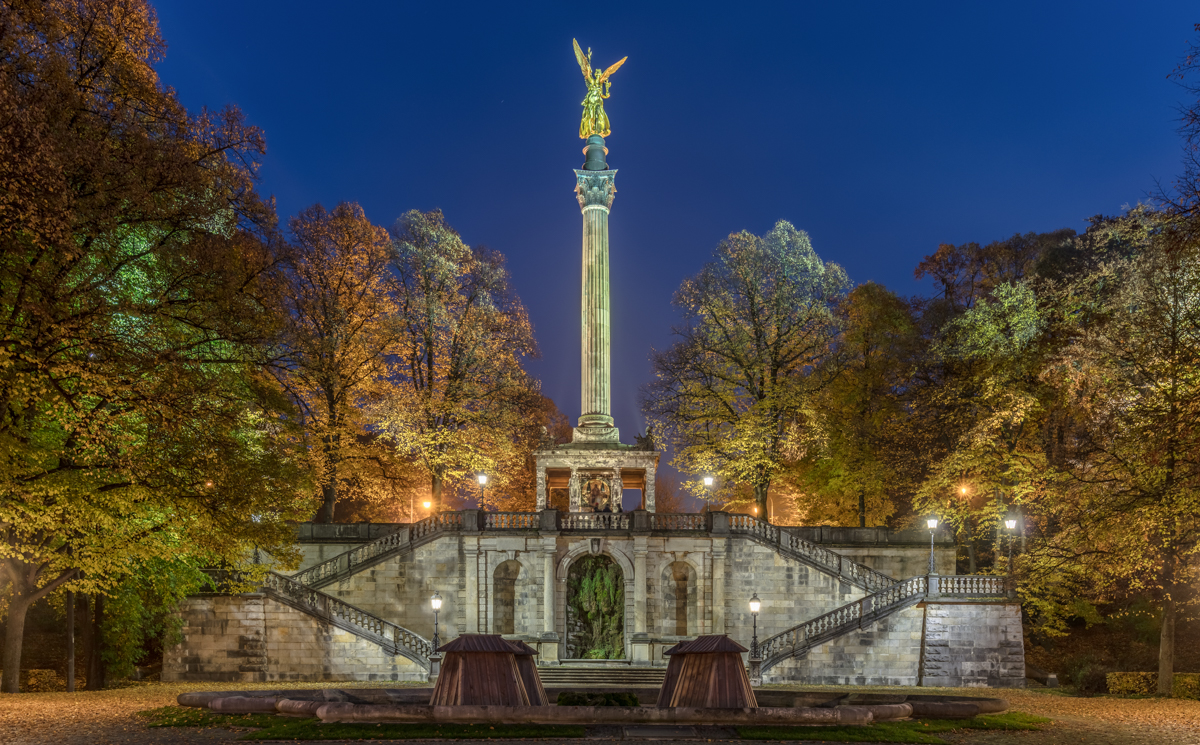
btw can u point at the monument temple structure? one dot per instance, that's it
(837, 605)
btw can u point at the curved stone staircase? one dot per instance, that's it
(887, 595)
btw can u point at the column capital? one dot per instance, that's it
(595, 189)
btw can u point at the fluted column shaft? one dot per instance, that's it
(595, 191)
(595, 385)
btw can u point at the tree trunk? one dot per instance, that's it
(14, 637)
(760, 499)
(70, 642)
(328, 499)
(1166, 638)
(862, 509)
(435, 504)
(95, 669)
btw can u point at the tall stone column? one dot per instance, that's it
(648, 494)
(595, 188)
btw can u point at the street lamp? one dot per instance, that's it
(427, 504)
(708, 482)
(755, 657)
(932, 524)
(436, 602)
(755, 605)
(483, 482)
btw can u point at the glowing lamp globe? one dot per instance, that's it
(755, 603)
(932, 523)
(1010, 524)
(436, 601)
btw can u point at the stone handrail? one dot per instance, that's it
(677, 521)
(595, 521)
(409, 536)
(810, 553)
(512, 520)
(857, 614)
(969, 584)
(394, 639)
(405, 537)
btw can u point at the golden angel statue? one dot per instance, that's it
(595, 121)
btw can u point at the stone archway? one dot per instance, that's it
(595, 617)
(504, 597)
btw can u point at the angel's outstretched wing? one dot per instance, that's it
(584, 63)
(613, 69)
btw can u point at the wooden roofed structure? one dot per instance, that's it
(529, 674)
(707, 673)
(483, 670)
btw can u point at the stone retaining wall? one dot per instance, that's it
(251, 638)
(973, 644)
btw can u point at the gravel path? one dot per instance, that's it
(108, 718)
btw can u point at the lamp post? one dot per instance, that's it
(755, 605)
(436, 602)
(932, 524)
(755, 657)
(483, 482)
(1011, 525)
(435, 659)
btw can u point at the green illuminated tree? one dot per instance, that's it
(735, 392)
(136, 422)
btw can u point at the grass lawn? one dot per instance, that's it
(919, 731)
(272, 727)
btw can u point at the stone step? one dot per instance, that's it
(568, 676)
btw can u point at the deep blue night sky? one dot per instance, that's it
(881, 128)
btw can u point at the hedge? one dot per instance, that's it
(1184, 685)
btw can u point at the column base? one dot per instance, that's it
(596, 434)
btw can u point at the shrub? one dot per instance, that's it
(1092, 680)
(579, 698)
(1183, 685)
(1186, 685)
(1132, 684)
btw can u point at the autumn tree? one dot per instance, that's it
(1129, 509)
(861, 466)
(136, 423)
(980, 412)
(459, 393)
(336, 329)
(735, 390)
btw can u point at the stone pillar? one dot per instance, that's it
(616, 488)
(541, 487)
(471, 599)
(576, 492)
(718, 586)
(548, 587)
(595, 190)
(639, 641)
(648, 494)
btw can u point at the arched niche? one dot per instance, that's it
(504, 596)
(680, 600)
